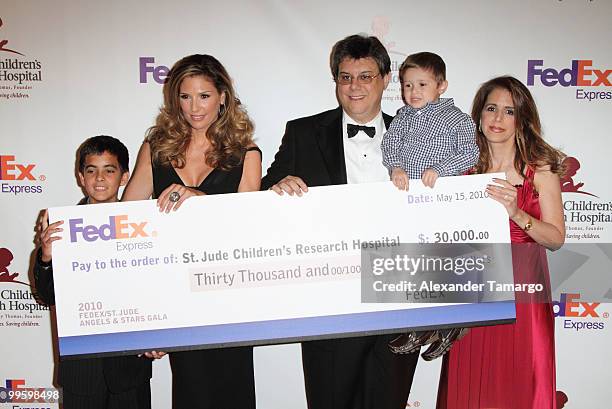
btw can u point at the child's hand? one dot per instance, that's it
(429, 177)
(399, 177)
(47, 236)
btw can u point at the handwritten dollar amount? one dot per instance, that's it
(456, 236)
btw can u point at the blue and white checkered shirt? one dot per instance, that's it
(438, 136)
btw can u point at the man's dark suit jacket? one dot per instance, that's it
(312, 149)
(349, 373)
(91, 376)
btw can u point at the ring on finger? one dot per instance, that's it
(174, 197)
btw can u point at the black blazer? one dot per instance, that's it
(312, 149)
(89, 376)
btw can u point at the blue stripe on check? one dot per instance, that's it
(270, 332)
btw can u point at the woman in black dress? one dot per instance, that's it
(201, 144)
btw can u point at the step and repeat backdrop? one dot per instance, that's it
(73, 69)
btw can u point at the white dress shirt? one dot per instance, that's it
(362, 154)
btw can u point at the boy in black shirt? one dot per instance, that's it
(95, 383)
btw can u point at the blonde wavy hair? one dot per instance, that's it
(230, 134)
(531, 149)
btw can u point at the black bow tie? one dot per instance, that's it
(352, 130)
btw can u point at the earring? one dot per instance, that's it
(222, 109)
(519, 143)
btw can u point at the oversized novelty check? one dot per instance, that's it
(256, 268)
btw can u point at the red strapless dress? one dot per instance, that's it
(508, 366)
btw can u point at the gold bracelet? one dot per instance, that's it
(528, 225)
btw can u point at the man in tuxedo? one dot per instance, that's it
(341, 146)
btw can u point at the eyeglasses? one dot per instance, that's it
(346, 79)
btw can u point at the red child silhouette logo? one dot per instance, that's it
(5, 260)
(567, 181)
(3, 43)
(562, 399)
(381, 26)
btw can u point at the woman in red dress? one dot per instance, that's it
(513, 366)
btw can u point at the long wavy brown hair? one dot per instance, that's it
(531, 149)
(229, 134)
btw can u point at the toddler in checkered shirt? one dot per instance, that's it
(428, 138)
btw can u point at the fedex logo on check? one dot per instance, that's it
(118, 227)
(581, 73)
